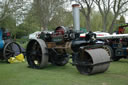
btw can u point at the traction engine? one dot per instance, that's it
(8, 48)
(57, 47)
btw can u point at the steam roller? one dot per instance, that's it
(54, 47)
(87, 56)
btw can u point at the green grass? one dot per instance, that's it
(20, 74)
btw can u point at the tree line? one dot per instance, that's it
(23, 17)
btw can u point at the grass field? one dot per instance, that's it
(20, 74)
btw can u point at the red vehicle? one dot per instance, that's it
(121, 28)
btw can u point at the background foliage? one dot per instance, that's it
(29, 16)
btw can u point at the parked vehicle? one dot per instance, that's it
(8, 48)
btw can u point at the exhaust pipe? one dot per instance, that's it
(76, 17)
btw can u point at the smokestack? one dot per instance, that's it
(76, 16)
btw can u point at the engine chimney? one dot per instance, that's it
(76, 17)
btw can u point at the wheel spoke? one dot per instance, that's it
(7, 54)
(9, 51)
(9, 47)
(34, 45)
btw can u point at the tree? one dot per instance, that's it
(61, 18)
(82, 20)
(104, 8)
(122, 20)
(9, 23)
(119, 7)
(10, 12)
(45, 10)
(30, 24)
(119, 22)
(86, 11)
(96, 21)
(9, 7)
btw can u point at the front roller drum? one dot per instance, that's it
(93, 61)
(37, 54)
